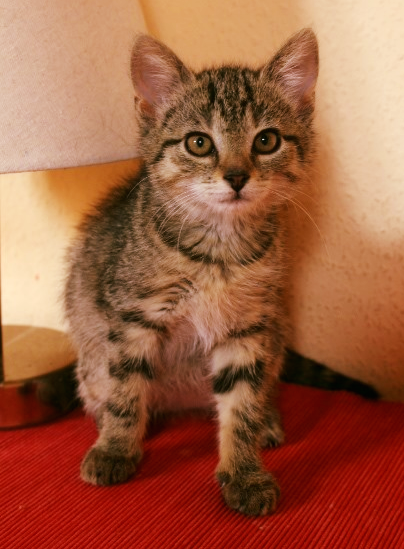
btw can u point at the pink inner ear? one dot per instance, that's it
(299, 75)
(156, 71)
(152, 80)
(148, 87)
(295, 67)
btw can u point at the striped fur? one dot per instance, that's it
(175, 289)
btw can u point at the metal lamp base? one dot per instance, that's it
(29, 392)
(38, 400)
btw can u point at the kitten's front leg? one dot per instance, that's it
(241, 382)
(121, 421)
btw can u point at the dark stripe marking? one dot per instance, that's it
(250, 419)
(183, 285)
(226, 379)
(120, 412)
(289, 176)
(251, 330)
(129, 366)
(249, 427)
(172, 241)
(188, 251)
(297, 144)
(211, 93)
(167, 143)
(248, 88)
(115, 337)
(169, 114)
(137, 317)
(245, 436)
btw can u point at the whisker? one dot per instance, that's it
(297, 204)
(136, 185)
(173, 207)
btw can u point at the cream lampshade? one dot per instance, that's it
(65, 100)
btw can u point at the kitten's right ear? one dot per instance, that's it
(157, 73)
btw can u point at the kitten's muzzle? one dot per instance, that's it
(236, 179)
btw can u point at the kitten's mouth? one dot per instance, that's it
(235, 198)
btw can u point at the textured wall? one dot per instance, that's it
(347, 298)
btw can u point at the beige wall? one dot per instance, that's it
(39, 212)
(347, 302)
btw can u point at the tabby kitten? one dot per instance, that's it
(174, 295)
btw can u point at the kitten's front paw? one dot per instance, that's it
(102, 468)
(251, 494)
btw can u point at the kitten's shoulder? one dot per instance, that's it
(116, 206)
(124, 192)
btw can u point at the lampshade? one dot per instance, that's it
(65, 89)
(66, 100)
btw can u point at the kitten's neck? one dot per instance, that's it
(224, 238)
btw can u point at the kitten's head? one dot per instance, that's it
(230, 139)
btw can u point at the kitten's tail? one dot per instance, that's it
(304, 371)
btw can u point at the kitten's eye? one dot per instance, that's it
(266, 142)
(199, 144)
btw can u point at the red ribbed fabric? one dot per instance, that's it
(341, 474)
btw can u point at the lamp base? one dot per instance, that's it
(37, 385)
(37, 400)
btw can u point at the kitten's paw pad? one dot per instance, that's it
(272, 435)
(254, 495)
(101, 468)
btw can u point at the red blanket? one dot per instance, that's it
(341, 473)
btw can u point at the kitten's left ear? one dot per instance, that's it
(157, 73)
(295, 68)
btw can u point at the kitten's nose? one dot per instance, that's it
(237, 179)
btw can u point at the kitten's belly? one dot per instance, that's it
(183, 379)
(181, 371)
(172, 397)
